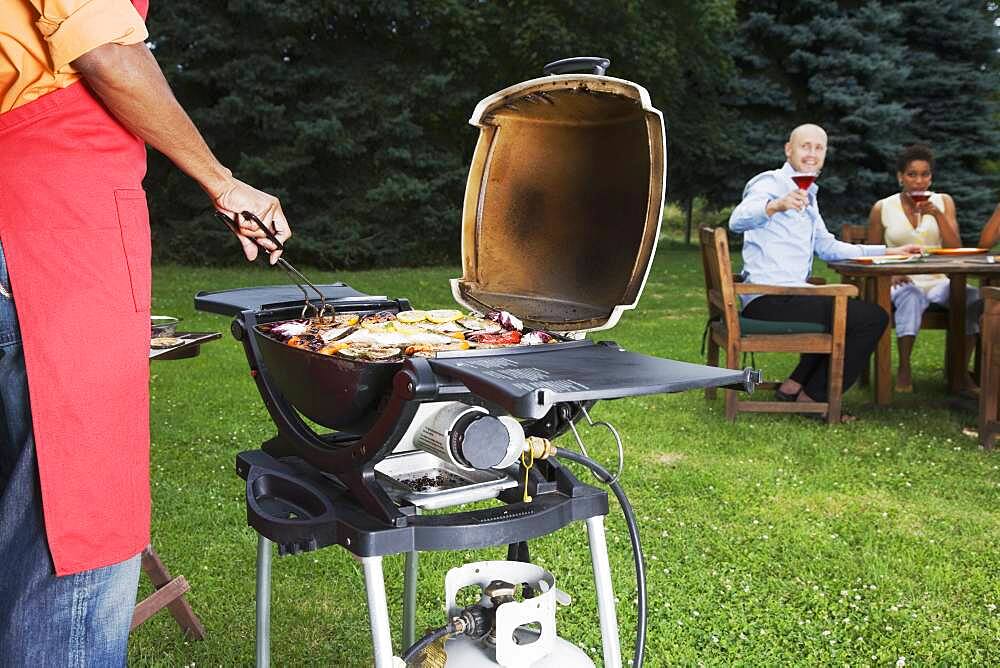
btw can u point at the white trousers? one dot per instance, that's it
(910, 302)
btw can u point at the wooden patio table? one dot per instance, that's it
(957, 269)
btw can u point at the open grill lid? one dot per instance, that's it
(563, 203)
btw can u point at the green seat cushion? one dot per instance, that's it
(751, 326)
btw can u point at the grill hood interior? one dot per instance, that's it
(563, 203)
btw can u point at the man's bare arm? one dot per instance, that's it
(130, 83)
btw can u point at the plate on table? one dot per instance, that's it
(179, 346)
(885, 259)
(958, 251)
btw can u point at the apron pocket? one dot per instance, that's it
(133, 219)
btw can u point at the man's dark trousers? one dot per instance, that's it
(865, 324)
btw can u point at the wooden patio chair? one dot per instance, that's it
(736, 335)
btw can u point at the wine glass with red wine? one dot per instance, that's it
(804, 179)
(919, 196)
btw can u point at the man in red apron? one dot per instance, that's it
(80, 95)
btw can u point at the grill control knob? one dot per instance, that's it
(470, 438)
(479, 441)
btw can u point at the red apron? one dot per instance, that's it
(75, 232)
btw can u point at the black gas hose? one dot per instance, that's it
(413, 650)
(633, 534)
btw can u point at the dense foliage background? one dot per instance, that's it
(354, 112)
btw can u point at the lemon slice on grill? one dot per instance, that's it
(443, 315)
(411, 316)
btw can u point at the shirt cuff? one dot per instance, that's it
(868, 250)
(93, 24)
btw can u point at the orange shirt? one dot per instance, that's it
(39, 39)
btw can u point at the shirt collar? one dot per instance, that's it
(787, 170)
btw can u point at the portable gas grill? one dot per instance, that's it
(560, 224)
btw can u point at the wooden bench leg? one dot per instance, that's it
(169, 594)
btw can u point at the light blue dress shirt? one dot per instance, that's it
(778, 250)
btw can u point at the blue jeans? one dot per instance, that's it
(75, 620)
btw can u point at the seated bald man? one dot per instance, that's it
(782, 230)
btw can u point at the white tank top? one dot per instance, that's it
(897, 230)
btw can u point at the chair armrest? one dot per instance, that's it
(834, 290)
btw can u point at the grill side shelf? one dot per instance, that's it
(527, 382)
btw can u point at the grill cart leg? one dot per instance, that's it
(263, 646)
(605, 595)
(378, 611)
(410, 574)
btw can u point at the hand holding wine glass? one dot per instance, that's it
(922, 202)
(796, 199)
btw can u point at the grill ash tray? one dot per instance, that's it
(420, 479)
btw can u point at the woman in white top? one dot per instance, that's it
(900, 219)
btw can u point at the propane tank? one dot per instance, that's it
(470, 437)
(503, 629)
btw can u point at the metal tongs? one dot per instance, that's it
(325, 311)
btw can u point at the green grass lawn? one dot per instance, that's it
(773, 540)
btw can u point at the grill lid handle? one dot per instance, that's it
(587, 64)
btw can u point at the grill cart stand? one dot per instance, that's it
(378, 611)
(341, 521)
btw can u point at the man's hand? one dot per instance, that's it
(905, 249)
(797, 199)
(239, 196)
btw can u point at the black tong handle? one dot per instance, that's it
(324, 309)
(234, 227)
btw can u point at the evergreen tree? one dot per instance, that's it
(952, 88)
(355, 113)
(876, 76)
(816, 62)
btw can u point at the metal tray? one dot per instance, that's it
(190, 346)
(399, 472)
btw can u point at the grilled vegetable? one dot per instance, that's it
(480, 325)
(449, 327)
(345, 319)
(366, 337)
(376, 318)
(332, 349)
(536, 338)
(506, 319)
(506, 338)
(436, 348)
(290, 328)
(411, 316)
(329, 335)
(382, 354)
